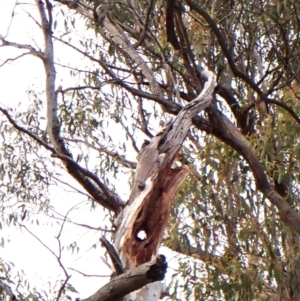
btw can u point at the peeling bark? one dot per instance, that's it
(155, 186)
(157, 182)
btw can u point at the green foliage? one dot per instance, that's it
(231, 242)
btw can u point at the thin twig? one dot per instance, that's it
(71, 186)
(126, 163)
(87, 226)
(41, 242)
(14, 59)
(31, 49)
(85, 172)
(143, 35)
(89, 275)
(22, 129)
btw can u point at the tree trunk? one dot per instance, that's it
(155, 186)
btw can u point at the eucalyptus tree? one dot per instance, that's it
(212, 88)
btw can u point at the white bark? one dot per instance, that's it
(155, 187)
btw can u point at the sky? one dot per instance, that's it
(21, 248)
(26, 252)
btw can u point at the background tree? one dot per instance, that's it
(235, 219)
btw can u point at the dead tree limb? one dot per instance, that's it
(155, 186)
(114, 256)
(131, 280)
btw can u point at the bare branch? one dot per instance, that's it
(30, 49)
(285, 107)
(106, 198)
(114, 257)
(171, 106)
(14, 59)
(102, 149)
(23, 130)
(62, 287)
(11, 20)
(86, 226)
(89, 275)
(143, 35)
(133, 141)
(71, 186)
(132, 280)
(42, 243)
(92, 176)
